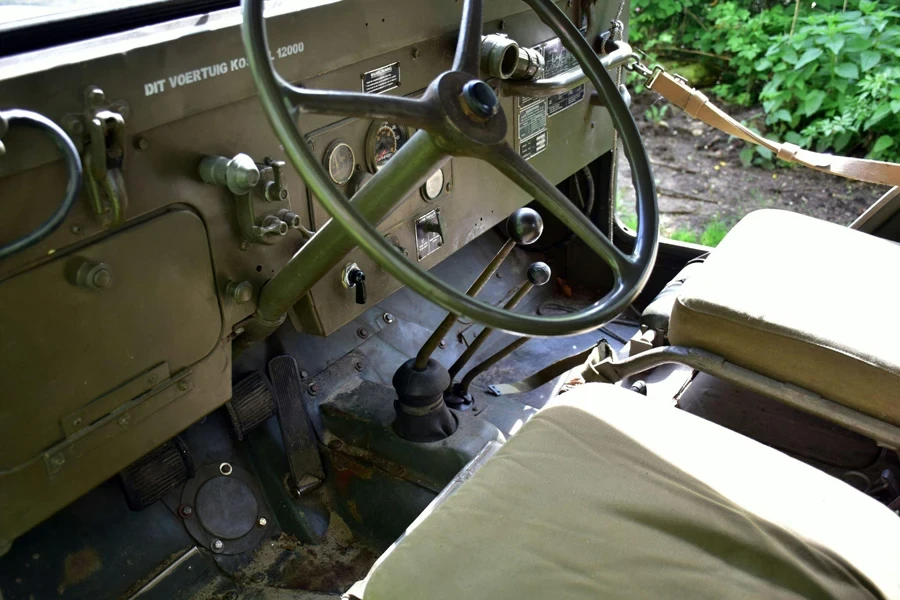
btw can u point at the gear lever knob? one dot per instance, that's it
(525, 226)
(538, 273)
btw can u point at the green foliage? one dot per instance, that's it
(711, 235)
(833, 84)
(656, 113)
(684, 235)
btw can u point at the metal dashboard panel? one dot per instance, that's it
(65, 345)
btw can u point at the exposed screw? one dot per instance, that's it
(184, 384)
(76, 422)
(141, 143)
(152, 378)
(124, 420)
(362, 332)
(76, 229)
(240, 292)
(449, 187)
(244, 245)
(358, 366)
(186, 511)
(388, 318)
(416, 53)
(313, 389)
(262, 522)
(95, 96)
(217, 545)
(303, 374)
(442, 344)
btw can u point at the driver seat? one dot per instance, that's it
(608, 494)
(804, 302)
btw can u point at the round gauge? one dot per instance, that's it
(382, 143)
(339, 161)
(432, 187)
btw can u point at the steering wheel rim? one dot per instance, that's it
(26, 118)
(448, 128)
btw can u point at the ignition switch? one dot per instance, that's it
(354, 278)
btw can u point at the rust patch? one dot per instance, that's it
(78, 567)
(354, 511)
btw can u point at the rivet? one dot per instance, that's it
(362, 332)
(124, 420)
(141, 143)
(313, 389)
(388, 318)
(76, 422)
(416, 53)
(152, 378)
(262, 522)
(76, 229)
(442, 344)
(244, 245)
(303, 374)
(184, 384)
(449, 187)
(358, 366)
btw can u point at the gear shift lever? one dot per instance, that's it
(538, 275)
(422, 415)
(524, 226)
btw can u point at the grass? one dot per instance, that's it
(710, 235)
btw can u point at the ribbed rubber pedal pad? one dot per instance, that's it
(147, 479)
(296, 429)
(252, 402)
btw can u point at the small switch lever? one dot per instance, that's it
(357, 280)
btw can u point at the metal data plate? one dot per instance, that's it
(429, 234)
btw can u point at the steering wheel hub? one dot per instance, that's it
(480, 100)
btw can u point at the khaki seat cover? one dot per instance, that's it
(606, 494)
(804, 302)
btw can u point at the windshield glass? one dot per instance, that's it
(21, 12)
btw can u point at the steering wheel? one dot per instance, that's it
(460, 115)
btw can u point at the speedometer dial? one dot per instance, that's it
(384, 140)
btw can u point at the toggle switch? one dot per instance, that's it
(354, 278)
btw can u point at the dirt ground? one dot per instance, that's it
(704, 189)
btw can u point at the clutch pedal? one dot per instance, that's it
(149, 478)
(252, 402)
(299, 439)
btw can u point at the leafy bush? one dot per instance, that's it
(833, 84)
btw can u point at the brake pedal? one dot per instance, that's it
(252, 402)
(296, 429)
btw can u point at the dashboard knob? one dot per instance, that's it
(525, 226)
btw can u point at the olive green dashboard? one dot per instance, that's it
(116, 333)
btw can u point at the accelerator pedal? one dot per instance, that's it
(299, 438)
(149, 478)
(252, 402)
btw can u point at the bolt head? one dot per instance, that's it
(262, 522)
(101, 279)
(186, 511)
(183, 385)
(416, 53)
(303, 374)
(442, 343)
(240, 292)
(358, 366)
(362, 332)
(217, 545)
(313, 389)
(388, 318)
(141, 143)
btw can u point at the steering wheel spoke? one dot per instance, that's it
(468, 46)
(517, 169)
(405, 111)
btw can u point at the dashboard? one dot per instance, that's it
(122, 319)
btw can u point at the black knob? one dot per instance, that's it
(357, 279)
